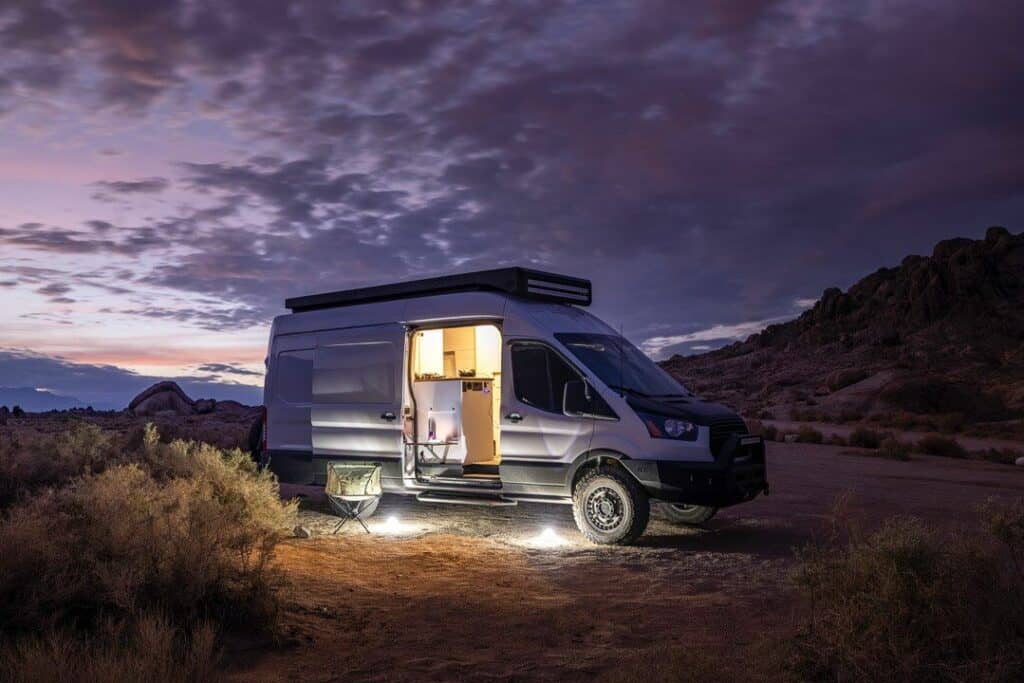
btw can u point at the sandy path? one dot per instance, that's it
(465, 593)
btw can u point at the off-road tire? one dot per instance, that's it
(607, 494)
(690, 515)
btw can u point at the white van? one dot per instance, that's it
(492, 388)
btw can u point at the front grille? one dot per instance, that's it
(721, 430)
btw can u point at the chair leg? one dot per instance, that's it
(362, 524)
(342, 523)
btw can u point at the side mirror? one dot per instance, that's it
(576, 399)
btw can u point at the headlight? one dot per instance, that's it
(662, 427)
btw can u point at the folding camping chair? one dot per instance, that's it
(350, 489)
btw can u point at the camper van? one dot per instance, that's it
(495, 388)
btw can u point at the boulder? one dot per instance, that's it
(302, 532)
(204, 406)
(165, 398)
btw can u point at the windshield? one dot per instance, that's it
(621, 365)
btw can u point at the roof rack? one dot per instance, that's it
(524, 282)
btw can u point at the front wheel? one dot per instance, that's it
(692, 515)
(610, 507)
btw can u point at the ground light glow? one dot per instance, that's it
(548, 538)
(393, 527)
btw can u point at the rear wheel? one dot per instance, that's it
(692, 515)
(610, 507)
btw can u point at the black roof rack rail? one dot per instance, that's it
(524, 282)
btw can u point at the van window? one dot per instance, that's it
(355, 373)
(293, 382)
(539, 376)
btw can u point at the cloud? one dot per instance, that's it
(227, 369)
(699, 161)
(35, 236)
(105, 386)
(130, 187)
(656, 346)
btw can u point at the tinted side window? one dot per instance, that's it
(561, 372)
(294, 379)
(355, 373)
(539, 376)
(530, 375)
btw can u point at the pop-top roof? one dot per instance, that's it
(524, 282)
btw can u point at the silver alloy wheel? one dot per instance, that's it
(605, 509)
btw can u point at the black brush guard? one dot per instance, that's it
(737, 475)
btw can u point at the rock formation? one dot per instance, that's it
(938, 335)
(162, 398)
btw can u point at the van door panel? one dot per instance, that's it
(540, 435)
(357, 392)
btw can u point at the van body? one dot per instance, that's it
(493, 388)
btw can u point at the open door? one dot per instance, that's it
(357, 393)
(455, 381)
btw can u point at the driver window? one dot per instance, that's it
(539, 376)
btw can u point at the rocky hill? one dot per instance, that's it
(939, 337)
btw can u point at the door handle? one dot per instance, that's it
(387, 415)
(514, 417)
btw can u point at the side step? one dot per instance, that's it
(459, 499)
(471, 482)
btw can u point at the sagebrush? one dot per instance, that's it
(114, 534)
(908, 603)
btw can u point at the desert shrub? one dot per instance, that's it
(836, 440)
(806, 415)
(848, 415)
(152, 649)
(864, 438)
(27, 467)
(951, 423)
(909, 604)
(894, 449)
(844, 378)
(934, 396)
(1003, 456)
(766, 415)
(16, 411)
(809, 435)
(181, 530)
(941, 446)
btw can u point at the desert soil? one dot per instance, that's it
(470, 593)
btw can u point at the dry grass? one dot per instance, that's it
(906, 603)
(807, 434)
(141, 540)
(865, 438)
(941, 446)
(894, 449)
(152, 650)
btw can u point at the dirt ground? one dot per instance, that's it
(443, 592)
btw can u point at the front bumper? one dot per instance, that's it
(737, 475)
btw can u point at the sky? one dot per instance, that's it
(171, 171)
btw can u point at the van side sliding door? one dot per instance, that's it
(357, 395)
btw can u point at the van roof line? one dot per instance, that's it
(524, 282)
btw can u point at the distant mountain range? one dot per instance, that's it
(939, 336)
(36, 400)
